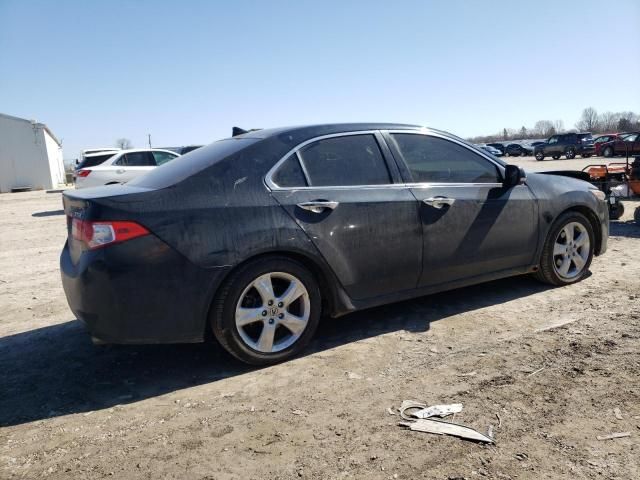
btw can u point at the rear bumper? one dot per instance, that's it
(140, 291)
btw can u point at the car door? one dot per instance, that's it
(472, 224)
(132, 165)
(552, 146)
(340, 190)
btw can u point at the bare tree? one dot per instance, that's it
(543, 128)
(559, 126)
(123, 143)
(608, 121)
(588, 121)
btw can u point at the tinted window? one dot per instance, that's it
(289, 174)
(163, 157)
(349, 160)
(137, 159)
(93, 161)
(433, 159)
(631, 138)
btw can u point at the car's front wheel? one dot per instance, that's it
(539, 156)
(568, 250)
(267, 311)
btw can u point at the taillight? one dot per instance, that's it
(100, 234)
(83, 173)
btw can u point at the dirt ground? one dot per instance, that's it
(551, 369)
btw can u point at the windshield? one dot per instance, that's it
(187, 165)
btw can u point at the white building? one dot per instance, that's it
(30, 155)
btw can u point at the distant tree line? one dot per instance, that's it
(590, 121)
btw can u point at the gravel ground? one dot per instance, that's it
(550, 369)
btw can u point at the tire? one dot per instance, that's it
(555, 157)
(636, 215)
(570, 154)
(539, 156)
(607, 152)
(616, 210)
(549, 271)
(245, 342)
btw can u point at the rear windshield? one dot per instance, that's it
(94, 160)
(187, 165)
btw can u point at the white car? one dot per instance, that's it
(123, 167)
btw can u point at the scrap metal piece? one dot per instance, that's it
(438, 411)
(438, 427)
(614, 436)
(409, 404)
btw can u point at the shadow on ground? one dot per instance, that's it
(624, 229)
(49, 213)
(55, 370)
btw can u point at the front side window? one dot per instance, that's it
(344, 161)
(436, 160)
(163, 157)
(631, 138)
(553, 140)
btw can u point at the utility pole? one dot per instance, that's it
(149, 139)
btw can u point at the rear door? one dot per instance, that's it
(132, 165)
(472, 224)
(345, 192)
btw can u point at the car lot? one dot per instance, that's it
(548, 365)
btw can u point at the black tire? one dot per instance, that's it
(546, 272)
(570, 154)
(636, 215)
(607, 152)
(555, 157)
(616, 210)
(222, 315)
(539, 156)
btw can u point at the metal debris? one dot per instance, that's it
(617, 413)
(438, 411)
(438, 427)
(614, 435)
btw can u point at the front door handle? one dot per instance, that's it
(439, 202)
(318, 206)
(120, 170)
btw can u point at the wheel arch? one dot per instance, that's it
(335, 300)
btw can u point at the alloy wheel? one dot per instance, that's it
(272, 312)
(571, 250)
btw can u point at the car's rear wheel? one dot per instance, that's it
(570, 154)
(267, 311)
(607, 152)
(539, 156)
(568, 250)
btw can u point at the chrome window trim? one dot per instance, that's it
(268, 180)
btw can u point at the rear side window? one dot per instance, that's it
(344, 161)
(93, 161)
(436, 160)
(137, 159)
(290, 174)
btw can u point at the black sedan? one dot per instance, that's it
(254, 237)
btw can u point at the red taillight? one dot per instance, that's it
(83, 173)
(100, 234)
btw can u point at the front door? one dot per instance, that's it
(340, 191)
(472, 224)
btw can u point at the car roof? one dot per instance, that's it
(326, 129)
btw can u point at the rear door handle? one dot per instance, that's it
(318, 206)
(439, 202)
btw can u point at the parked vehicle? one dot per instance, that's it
(567, 144)
(253, 237)
(493, 151)
(92, 157)
(598, 141)
(182, 150)
(535, 144)
(517, 150)
(122, 167)
(500, 146)
(629, 143)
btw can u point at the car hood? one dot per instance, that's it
(561, 181)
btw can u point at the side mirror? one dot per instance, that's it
(513, 175)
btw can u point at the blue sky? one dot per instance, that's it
(186, 72)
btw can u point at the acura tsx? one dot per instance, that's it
(254, 237)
